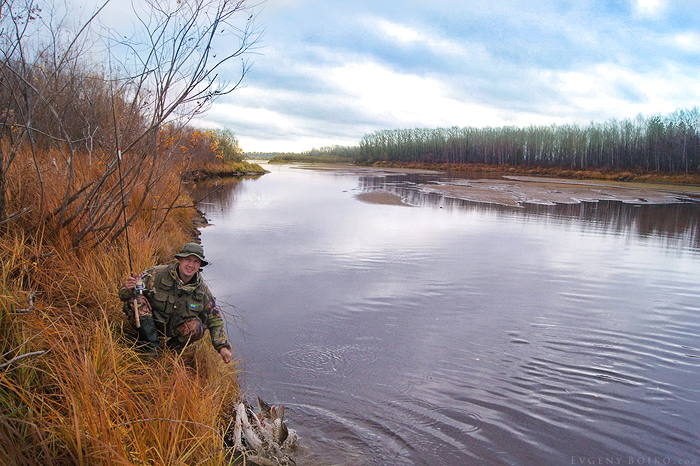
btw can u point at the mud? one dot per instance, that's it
(380, 197)
(517, 190)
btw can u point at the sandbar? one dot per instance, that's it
(380, 197)
(516, 190)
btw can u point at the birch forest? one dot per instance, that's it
(659, 143)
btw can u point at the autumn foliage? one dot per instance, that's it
(92, 159)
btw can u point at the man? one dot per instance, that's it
(174, 300)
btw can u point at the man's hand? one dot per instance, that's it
(225, 354)
(130, 282)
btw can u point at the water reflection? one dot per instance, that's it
(677, 223)
(217, 193)
(457, 332)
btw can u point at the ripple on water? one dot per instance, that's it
(353, 425)
(394, 432)
(313, 360)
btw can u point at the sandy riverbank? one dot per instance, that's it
(516, 190)
(380, 197)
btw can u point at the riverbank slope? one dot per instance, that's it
(73, 389)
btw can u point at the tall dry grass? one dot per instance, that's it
(223, 168)
(73, 390)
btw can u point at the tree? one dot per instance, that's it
(228, 146)
(668, 144)
(57, 101)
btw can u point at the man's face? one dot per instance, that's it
(188, 267)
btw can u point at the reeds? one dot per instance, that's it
(73, 390)
(222, 169)
(90, 399)
(558, 172)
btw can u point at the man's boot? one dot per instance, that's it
(175, 344)
(148, 336)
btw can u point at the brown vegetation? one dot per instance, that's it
(73, 388)
(91, 188)
(557, 172)
(223, 170)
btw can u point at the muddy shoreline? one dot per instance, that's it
(516, 190)
(381, 197)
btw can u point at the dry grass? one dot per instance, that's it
(100, 403)
(72, 388)
(222, 169)
(558, 172)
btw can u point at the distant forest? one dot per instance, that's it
(663, 144)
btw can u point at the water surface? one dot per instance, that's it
(451, 332)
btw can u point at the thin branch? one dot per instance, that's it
(20, 357)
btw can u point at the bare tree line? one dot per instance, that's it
(83, 108)
(665, 144)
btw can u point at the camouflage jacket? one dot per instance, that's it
(173, 302)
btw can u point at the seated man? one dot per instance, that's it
(174, 300)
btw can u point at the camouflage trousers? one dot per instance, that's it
(189, 331)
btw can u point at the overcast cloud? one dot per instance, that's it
(330, 71)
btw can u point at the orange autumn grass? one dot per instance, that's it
(73, 390)
(223, 168)
(558, 172)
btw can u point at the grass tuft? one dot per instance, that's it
(73, 390)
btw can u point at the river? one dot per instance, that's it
(456, 333)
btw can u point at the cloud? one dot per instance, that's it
(332, 71)
(688, 40)
(408, 36)
(652, 8)
(401, 98)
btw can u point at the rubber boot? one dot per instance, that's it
(175, 344)
(148, 337)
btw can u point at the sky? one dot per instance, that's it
(327, 72)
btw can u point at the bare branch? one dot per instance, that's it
(20, 357)
(51, 98)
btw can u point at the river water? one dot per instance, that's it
(459, 333)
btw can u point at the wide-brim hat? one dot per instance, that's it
(193, 249)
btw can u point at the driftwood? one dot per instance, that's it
(263, 437)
